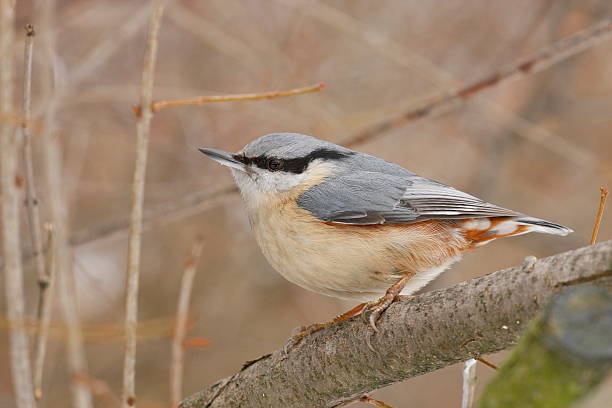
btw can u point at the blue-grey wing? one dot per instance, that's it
(368, 198)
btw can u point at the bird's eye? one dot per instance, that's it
(274, 164)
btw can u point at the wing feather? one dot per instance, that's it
(369, 198)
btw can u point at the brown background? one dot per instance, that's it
(540, 145)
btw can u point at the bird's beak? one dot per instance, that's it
(225, 158)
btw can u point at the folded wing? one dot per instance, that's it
(370, 198)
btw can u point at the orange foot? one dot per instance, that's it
(377, 307)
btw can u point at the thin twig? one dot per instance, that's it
(487, 363)
(469, 384)
(182, 313)
(375, 402)
(31, 196)
(201, 100)
(9, 186)
(135, 233)
(46, 310)
(52, 161)
(545, 58)
(602, 204)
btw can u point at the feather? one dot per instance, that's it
(362, 197)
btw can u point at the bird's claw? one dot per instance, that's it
(372, 312)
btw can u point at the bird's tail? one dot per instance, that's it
(481, 231)
(547, 227)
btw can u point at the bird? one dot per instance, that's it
(353, 226)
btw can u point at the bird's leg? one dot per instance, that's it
(377, 307)
(307, 330)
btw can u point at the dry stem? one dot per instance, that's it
(182, 313)
(75, 350)
(374, 402)
(545, 58)
(135, 233)
(9, 185)
(602, 204)
(486, 362)
(31, 197)
(44, 317)
(200, 100)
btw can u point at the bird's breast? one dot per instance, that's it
(350, 261)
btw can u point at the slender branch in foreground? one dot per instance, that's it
(602, 204)
(486, 362)
(201, 100)
(540, 61)
(374, 402)
(196, 202)
(469, 384)
(135, 233)
(417, 335)
(182, 314)
(9, 191)
(66, 289)
(44, 318)
(563, 356)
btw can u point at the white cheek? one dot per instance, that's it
(276, 182)
(260, 185)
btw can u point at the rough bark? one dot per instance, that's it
(565, 353)
(417, 335)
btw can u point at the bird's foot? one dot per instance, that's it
(372, 311)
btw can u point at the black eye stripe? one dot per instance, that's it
(296, 165)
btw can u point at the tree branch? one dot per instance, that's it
(143, 128)
(417, 335)
(9, 209)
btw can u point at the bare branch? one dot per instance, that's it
(31, 196)
(52, 162)
(486, 362)
(182, 313)
(602, 204)
(374, 402)
(9, 189)
(201, 100)
(46, 310)
(475, 317)
(43, 312)
(135, 233)
(543, 59)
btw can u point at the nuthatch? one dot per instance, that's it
(353, 226)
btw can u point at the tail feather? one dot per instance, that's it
(480, 231)
(546, 227)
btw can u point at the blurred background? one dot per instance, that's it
(540, 145)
